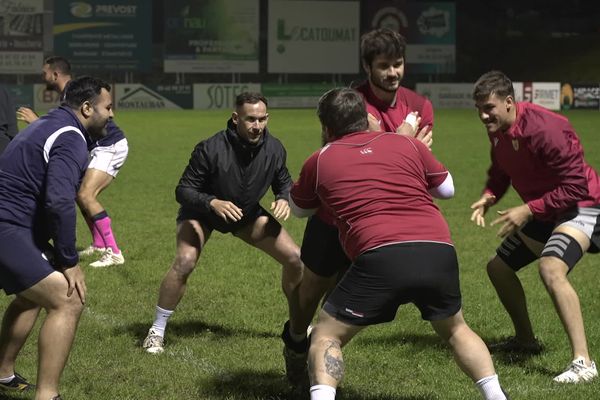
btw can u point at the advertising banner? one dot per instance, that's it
(580, 96)
(429, 28)
(21, 36)
(304, 38)
(140, 97)
(448, 95)
(22, 94)
(43, 99)
(546, 94)
(211, 36)
(100, 35)
(211, 96)
(294, 95)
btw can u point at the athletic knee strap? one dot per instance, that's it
(564, 247)
(515, 253)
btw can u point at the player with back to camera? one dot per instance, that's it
(379, 186)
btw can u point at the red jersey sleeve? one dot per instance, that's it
(304, 190)
(561, 152)
(435, 171)
(426, 114)
(498, 181)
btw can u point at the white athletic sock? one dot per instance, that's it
(490, 388)
(160, 321)
(297, 337)
(6, 380)
(322, 392)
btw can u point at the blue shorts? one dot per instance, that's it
(22, 263)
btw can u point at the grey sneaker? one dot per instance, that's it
(154, 343)
(577, 372)
(296, 358)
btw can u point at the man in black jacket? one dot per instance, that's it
(8, 118)
(220, 189)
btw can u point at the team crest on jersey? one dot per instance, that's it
(366, 151)
(515, 143)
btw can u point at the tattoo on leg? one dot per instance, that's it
(334, 363)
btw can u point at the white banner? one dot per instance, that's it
(210, 96)
(313, 36)
(136, 96)
(547, 94)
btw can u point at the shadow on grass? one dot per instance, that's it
(253, 385)
(193, 328)
(419, 341)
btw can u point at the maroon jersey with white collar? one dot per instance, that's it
(391, 117)
(542, 157)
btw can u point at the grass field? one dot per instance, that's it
(223, 340)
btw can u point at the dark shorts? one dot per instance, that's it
(22, 263)
(382, 279)
(212, 221)
(321, 250)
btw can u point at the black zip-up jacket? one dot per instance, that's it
(227, 167)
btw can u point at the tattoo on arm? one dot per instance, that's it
(334, 363)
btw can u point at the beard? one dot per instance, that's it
(97, 132)
(385, 86)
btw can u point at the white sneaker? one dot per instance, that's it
(91, 250)
(108, 258)
(578, 372)
(153, 344)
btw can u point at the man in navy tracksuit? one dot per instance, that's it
(40, 173)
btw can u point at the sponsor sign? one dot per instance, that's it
(294, 95)
(21, 36)
(104, 34)
(137, 96)
(43, 99)
(304, 38)
(211, 36)
(221, 95)
(22, 94)
(448, 95)
(429, 27)
(580, 96)
(546, 94)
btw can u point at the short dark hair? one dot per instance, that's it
(493, 82)
(250, 98)
(342, 111)
(384, 42)
(60, 64)
(83, 89)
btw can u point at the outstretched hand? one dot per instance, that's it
(513, 219)
(480, 208)
(281, 209)
(226, 210)
(27, 115)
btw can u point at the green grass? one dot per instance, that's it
(223, 339)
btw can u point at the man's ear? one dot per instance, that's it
(235, 117)
(86, 109)
(510, 102)
(366, 68)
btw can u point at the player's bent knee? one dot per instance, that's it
(184, 264)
